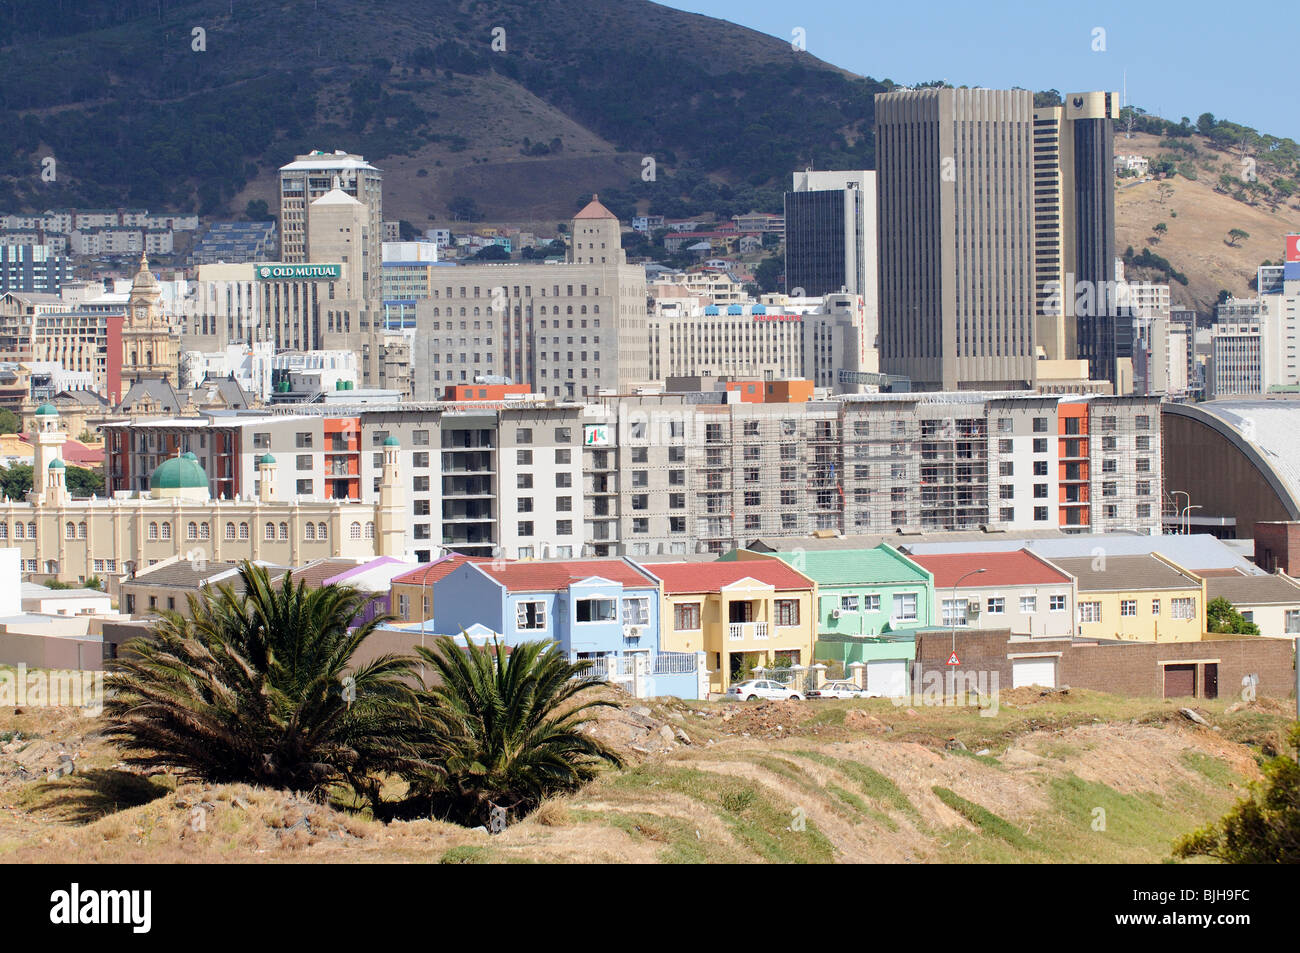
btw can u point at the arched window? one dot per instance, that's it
(153, 531)
(4, 530)
(322, 531)
(309, 531)
(270, 531)
(370, 531)
(230, 531)
(595, 309)
(192, 530)
(20, 531)
(166, 530)
(205, 532)
(31, 530)
(70, 531)
(243, 531)
(81, 530)
(354, 531)
(284, 530)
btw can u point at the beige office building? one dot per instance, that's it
(956, 232)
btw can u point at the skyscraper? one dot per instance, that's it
(308, 178)
(830, 234)
(1076, 311)
(956, 205)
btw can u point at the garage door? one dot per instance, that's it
(1033, 671)
(1180, 681)
(887, 678)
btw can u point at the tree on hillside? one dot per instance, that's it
(503, 729)
(1236, 236)
(464, 209)
(1264, 828)
(9, 422)
(1164, 191)
(767, 274)
(1222, 616)
(491, 253)
(1160, 228)
(260, 687)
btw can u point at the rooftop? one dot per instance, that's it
(1018, 568)
(1240, 590)
(1125, 573)
(559, 576)
(712, 577)
(846, 567)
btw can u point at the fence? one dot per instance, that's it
(668, 673)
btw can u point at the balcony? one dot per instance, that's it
(740, 631)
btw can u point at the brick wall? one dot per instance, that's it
(1122, 668)
(1277, 546)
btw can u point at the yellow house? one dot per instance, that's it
(742, 615)
(1145, 598)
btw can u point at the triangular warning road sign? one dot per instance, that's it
(953, 659)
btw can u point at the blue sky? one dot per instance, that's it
(1183, 59)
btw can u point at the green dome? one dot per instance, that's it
(392, 442)
(46, 410)
(178, 473)
(265, 460)
(189, 456)
(57, 465)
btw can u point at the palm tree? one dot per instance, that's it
(259, 687)
(502, 730)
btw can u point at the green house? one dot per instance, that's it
(870, 602)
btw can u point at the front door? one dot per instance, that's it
(1211, 680)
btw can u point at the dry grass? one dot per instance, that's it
(839, 781)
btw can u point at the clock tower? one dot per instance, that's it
(148, 349)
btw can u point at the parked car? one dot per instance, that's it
(841, 689)
(761, 688)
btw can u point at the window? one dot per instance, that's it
(787, 611)
(564, 527)
(848, 603)
(1292, 621)
(268, 531)
(564, 456)
(524, 481)
(596, 610)
(1040, 468)
(524, 504)
(1040, 445)
(954, 611)
(1056, 603)
(354, 531)
(304, 487)
(871, 602)
(1155, 606)
(166, 530)
(905, 607)
(525, 528)
(524, 458)
(370, 530)
(1028, 605)
(70, 531)
(996, 606)
(309, 531)
(563, 435)
(1182, 608)
(302, 440)
(686, 617)
(1128, 608)
(192, 530)
(1040, 425)
(284, 530)
(230, 531)
(1040, 514)
(243, 531)
(1089, 611)
(530, 615)
(563, 480)
(153, 531)
(524, 435)
(636, 610)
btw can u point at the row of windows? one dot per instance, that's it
(195, 530)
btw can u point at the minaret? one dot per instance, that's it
(269, 477)
(390, 516)
(48, 480)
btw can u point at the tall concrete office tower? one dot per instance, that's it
(954, 172)
(1076, 312)
(830, 234)
(308, 178)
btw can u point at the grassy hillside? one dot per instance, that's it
(1070, 778)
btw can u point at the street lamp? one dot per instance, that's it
(1187, 520)
(1177, 511)
(952, 619)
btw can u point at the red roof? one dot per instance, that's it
(594, 209)
(430, 573)
(1018, 568)
(75, 452)
(711, 577)
(558, 576)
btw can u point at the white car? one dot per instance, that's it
(761, 688)
(841, 689)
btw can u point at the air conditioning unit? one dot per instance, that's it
(632, 631)
(836, 613)
(973, 608)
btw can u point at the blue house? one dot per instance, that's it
(593, 608)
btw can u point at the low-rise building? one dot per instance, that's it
(1272, 602)
(742, 615)
(1144, 598)
(1018, 590)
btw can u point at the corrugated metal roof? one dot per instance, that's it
(1253, 590)
(1019, 568)
(1125, 574)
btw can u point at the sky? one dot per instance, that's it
(1234, 60)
